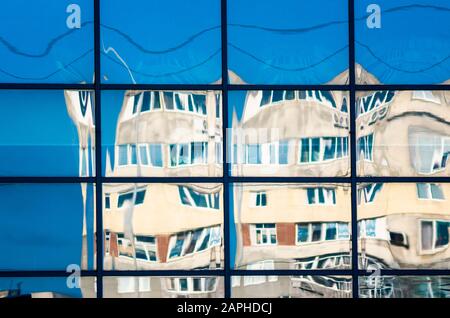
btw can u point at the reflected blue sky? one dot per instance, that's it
(412, 45)
(291, 42)
(29, 285)
(42, 226)
(37, 46)
(176, 41)
(37, 136)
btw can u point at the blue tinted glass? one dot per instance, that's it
(163, 42)
(43, 226)
(156, 155)
(302, 232)
(46, 133)
(410, 44)
(292, 42)
(123, 155)
(51, 45)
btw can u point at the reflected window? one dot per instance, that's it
(264, 234)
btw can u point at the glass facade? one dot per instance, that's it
(224, 148)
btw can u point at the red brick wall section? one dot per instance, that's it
(245, 229)
(162, 244)
(113, 248)
(286, 233)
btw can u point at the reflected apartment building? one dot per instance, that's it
(291, 133)
(403, 133)
(167, 133)
(291, 287)
(81, 109)
(292, 226)
(402, 226)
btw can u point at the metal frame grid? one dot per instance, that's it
(227, 272)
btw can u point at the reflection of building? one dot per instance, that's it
(165, 133)
(403, 133)
(81, 109)
(291, 287)
(292, 133)
(292, 226)
(404, 225)
(164, 287)
(163, 226)
(404, 287)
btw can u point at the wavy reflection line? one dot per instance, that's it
(50, 74)
(396, 68)
(168, 73)
(56, 39)
(49, 47)
(285, 68)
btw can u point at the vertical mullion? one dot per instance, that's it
(225, 178)
(98, 152)
(354, 203)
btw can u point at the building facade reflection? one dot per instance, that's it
(292, 226)
(404, 225)
(403, 133)
(291, 133)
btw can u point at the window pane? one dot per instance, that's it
(151, 50)
(170, 223)
(303, 233)
(47, 226)
(402, 135)
(310, 41)
(47, 45)
(47, 133)
(166, 132)
(396, 51)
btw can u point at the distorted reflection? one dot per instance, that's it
(291, 287)
(163, 287)
(404, 225)
(403, 133)
(47, 226)
(47, 133)
(292, 226)
(404, 287)
(163, 226)
(163, 133)
(47, 287)
(289, 133)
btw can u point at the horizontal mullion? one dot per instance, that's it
(45, 273)
(407, 272)
(402, 87)
(290, 272)
(41, 86)
(402, 179)
(189, 87)
(253, 87)
(162, 179)
(47, 179)
(290, 179)
(162, 273)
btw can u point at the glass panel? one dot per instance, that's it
(310, 39)
(47, 133)
(404, 287)
(306, 234)
(403, 133)
(177, 138)
(47, 287)
(165, 287)
(153, 49)
(400, 229)
(40, 234)
(168, 223)
(280, 137)
(51, 45)
(292, 287)
(390, 49)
